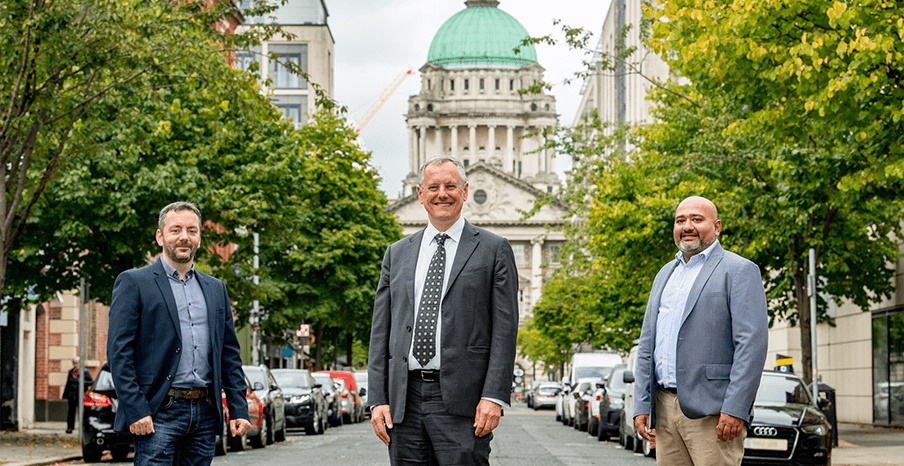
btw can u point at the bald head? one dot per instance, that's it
(697, 225)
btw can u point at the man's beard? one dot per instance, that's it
(696, 246)
(172, 254)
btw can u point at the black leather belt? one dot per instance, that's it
(672, 390)
(187, 393)
(424, 375)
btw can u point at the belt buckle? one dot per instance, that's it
(429, 375)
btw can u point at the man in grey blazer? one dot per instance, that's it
(702, 346)
(442, 344)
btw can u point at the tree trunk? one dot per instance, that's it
(318, 352)
(349, 341)
(803, 321)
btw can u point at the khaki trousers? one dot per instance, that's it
(682, 441)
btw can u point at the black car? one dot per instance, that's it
(788, 426)
(582, 393)
(100, 404)
(305, 404)
(331, 394)
(267, 389)
(611, 398)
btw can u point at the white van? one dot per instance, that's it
(595, 365)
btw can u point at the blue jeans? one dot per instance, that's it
(184, 434)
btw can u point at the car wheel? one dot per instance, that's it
(603, 434)
(280, 435)
(321, 426)
(91, 453)
(649, 450)
(237, 443)
(120, 453)
(222, 440)
(638, 443)
(260, 440)
(271, 430)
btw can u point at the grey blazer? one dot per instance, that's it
(479, 327)
(722, 341)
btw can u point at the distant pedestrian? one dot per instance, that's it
(71, 392)
(442, 343)
(702, 346)
(172, 348)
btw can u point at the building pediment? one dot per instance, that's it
(494, 199)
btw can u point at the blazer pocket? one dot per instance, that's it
(473, 271)
(718, 371)
(479, 349)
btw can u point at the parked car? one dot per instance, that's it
(332, 396)
(271, 395)
(361, 379)
(579, 404)
(305, 404)
(607, 403)
(529, 396)
(627, 435)
(352, 404)
(560, 402)
(788, 426)
(100, 404)
(255, 417)
(544, 395)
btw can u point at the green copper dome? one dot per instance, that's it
(481, 34)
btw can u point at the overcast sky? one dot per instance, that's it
(376, 40)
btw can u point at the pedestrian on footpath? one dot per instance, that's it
(172, 348)
(442, 343)
(702, 346)
(71, 392)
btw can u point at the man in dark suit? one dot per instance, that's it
(172, 348)
(442, 344)
(702, 347)
(71, 392)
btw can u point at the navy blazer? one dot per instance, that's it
(722, 340)
(145, 339)
(480, 324)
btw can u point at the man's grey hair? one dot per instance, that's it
(176, 207)
(439, 160)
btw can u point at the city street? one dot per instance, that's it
(525, 437)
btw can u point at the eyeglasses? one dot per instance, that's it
(434, 188)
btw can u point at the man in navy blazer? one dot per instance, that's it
(702, 347)
(443, 408)
(172, 348)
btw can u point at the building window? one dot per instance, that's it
(511, 84)
(294, 107)
(552, 253)
(497, 84)
(248, 60)
(481, 84)
(467, 84)
(480, 196)
(465, 162)
(429, 85)
(451, 84)
(289, 56)
(520, 258)
(888, 367)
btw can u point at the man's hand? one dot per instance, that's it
(382, 422)
(487, 417)
(143, 426)
(239, 427)
(729, 427)
(640, 425)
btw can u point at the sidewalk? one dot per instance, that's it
(48, 443)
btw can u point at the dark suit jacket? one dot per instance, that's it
(722, 341)
(479, 327)
(71, 391)
(144, 342)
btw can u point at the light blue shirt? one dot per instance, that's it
(428, 247)
(671, 311)
(194, 355)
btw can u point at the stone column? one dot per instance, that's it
(536, 276)
(509, 150)
(454, 136)
(491, 144)
(439, 140)
(472, 141)
(412, 150)
(422, 146)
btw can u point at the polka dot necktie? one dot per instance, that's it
(425, 330)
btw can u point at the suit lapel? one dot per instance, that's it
(167, 292)
(466, 247)
(708, 267)
(409, 264)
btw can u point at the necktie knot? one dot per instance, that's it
(441, 238)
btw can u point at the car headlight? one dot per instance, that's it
(301, 398)
(817, 429)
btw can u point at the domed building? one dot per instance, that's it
(471, 106)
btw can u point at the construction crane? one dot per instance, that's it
(384, 96)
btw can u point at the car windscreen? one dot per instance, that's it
(782, 389)
(255, 376)
(292, 379)
(104, 381)
(586, 371)
(549, 390)
(616, 381)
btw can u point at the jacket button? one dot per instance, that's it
(169, 377)
(405, 359)
(408, 328)
(178, 349)
(390, 356)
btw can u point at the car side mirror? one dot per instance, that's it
(362, 391)
(823, 403)
(318, 385)
(257, 386)
(600, 384)
(628, 377)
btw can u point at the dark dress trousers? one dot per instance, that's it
(145, 339)
(479, 324)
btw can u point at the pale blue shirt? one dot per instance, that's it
(671, 311)
(428, 247)
(194, 355)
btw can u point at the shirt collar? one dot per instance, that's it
(679, 256)
(172, 272)
(454, 231)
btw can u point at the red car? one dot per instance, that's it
(352, 403)
(257, 434)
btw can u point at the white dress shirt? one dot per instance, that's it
(671, 311)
